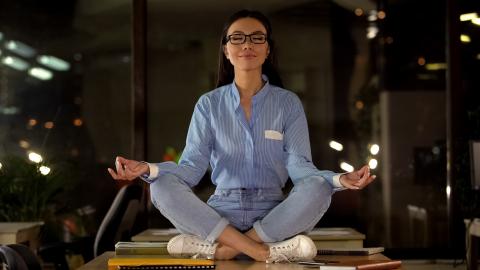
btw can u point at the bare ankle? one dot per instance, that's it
(225, 252)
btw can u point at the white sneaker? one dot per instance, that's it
(185, 245)
(297, 248)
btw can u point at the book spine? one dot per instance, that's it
(133, 251)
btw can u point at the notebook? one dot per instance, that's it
(350, 251)
(157, 262)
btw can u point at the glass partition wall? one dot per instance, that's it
(65, 103)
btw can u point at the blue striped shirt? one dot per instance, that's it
(259, 153)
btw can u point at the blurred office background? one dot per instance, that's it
(393, 84)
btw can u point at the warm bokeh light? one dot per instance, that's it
(381, 14)
(359, 104)
(44, 170)
(372, 32)
(1, 165)
(436, 66)
(32, 122)
(24, 144)
(34, 157)
(374, 149)
(358, 11)
(77, 122)
(448, 191)
(373, 163)
(465, 38)
(48, 125)
(389, 40)
(346, 167)
(421, 60)
(336, 145)
(372, 16)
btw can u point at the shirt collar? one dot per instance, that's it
(257, 98)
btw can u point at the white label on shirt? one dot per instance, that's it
(273, 135)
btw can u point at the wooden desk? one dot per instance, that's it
(27, 233)
(100, 263)
(323, 237)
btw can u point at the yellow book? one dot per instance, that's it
(155, 262)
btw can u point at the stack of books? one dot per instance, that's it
(141, 248)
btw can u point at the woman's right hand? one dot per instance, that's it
(127, 169)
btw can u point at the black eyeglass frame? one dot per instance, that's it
(229, 37)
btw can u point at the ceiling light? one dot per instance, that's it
(346, 167)
(24, 144)
(335, 145)
(40, 73)
(20, 48)
(468, 16)
(436, 66)
(53, 62)
(465, 38)
(15, 63)
(476, 21)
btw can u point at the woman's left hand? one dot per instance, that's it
(357, 179)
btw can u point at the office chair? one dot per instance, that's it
(117, 225)
(18, 257)
(119, 220)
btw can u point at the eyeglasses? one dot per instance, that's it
(237, 39)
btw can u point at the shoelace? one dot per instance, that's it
(203, 250)
(281, 257)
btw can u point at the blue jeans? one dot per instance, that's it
(274, 217)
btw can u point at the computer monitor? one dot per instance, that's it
(475, 163)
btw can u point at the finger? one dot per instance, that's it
(363, 180)
(119, 167)
(367, 181)
(112, 173)
(364, 170)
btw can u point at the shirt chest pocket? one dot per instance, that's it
(273, 145)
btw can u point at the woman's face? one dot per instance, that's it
(251, 54)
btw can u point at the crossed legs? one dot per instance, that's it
(298, 213)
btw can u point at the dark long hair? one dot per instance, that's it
(225, 68)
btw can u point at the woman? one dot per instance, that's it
(254, 135)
